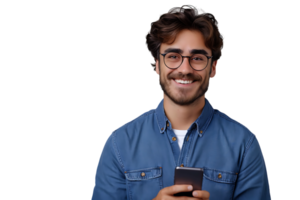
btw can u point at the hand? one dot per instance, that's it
(201, 194)
(168, 192)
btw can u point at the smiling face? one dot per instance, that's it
(176, 83)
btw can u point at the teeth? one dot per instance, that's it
(182, 81)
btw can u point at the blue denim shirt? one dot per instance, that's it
(139, 158)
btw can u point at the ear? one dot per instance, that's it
(157, 67)
(213, 69)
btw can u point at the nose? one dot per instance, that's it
(185, 67)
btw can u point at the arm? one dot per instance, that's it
(252, 182)
(110, 178)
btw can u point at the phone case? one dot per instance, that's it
(188, 176)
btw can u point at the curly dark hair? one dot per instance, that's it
(170, 24)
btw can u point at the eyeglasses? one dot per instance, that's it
(174, 60)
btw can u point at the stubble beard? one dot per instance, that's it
(182, 99)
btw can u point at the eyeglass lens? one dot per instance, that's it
(173, 60)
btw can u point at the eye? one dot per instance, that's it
(172, 56)
(198, 58)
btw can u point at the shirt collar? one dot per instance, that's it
(201, 122)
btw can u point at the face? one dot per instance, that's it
(171, 79)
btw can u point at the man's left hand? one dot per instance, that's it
(201, 194)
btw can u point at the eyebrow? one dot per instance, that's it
(193, 51)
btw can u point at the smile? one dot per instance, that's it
(182, 83)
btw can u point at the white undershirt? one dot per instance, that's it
(180, 134)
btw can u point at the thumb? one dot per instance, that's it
(177, 188)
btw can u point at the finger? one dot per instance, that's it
(177, 188)
(201, 194)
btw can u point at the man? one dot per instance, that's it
(139, 159)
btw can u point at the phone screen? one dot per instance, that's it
(188, 176)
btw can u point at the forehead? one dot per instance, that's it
(186, 40)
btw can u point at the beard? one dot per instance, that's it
(181, 97)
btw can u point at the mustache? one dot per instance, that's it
(185, 76)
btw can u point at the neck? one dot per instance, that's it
(181, 117)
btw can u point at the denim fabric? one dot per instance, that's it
(140, 157)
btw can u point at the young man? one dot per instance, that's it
(139, 159)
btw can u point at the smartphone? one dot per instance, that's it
(188, 176)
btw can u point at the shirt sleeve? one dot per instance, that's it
(110, 178)
(252, 182)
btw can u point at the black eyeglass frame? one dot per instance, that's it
(208, 57)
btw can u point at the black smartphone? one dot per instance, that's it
(188, 176)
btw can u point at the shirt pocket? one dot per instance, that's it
(144, 183)
(220, 184)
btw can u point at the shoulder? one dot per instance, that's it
(231, 128)
(136, 124)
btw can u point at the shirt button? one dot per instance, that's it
(143, 174)
(219, 176)
(174, 138)
(167, 124)
(181, 165)
(162, 129)
(201, 131)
